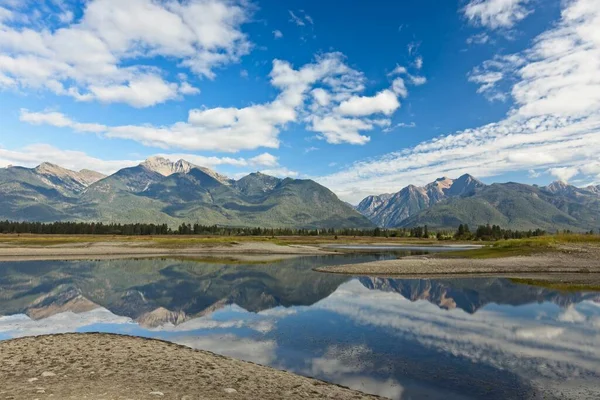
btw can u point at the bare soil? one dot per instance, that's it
(568, 260)
(104, 366)
(112, 249)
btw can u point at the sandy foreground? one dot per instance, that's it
(568, 261)
(108, 250)
(105, 366)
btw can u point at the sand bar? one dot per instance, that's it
(567, 261)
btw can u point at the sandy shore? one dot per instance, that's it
(103, 366)
(111, 250)
(569, 261)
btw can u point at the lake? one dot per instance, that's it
(400, 338)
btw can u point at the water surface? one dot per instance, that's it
(400, 338)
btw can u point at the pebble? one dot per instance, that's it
(48, 374)
(157, 394)
(31, 380)
(230, 390)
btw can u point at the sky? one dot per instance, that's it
(364, 98)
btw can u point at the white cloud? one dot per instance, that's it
(337, 129)
(419, 62)
(399, 87)
(232, 129)
(301, 18)
(555, 122)
(186, 88)
(398, 70)
(277, 34)
(295, 19)
(384, 102)
(281, 172)
(495, 14)
(264, 159)
(418, 80)
(35, 154)
(103, 55)
(564, 173)
(480, 38)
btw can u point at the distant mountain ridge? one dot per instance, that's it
(161, 191)
(446, 203)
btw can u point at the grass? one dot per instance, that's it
(562, 286)
(524, 247)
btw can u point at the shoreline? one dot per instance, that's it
(563, 261)
(119, 250)
(101, 365)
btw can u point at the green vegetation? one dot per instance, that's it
(525, 247)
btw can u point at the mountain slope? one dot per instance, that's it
(161, 191)
(446, 203)
(390, 210)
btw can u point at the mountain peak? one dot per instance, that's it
(557, 186)
(441, 183)
(467, 177)
(53, 169)
(159, 164)
(166, 167)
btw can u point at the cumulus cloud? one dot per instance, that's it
(554, 123)
(564, 173)
(277, 34)
(384, 102)
(496, 14)
(336, 110)
(104, 54)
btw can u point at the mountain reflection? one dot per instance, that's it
(399, 338)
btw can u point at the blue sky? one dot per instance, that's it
(364, 98)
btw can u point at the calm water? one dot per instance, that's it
(403, 339)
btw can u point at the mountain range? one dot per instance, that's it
(446, 203)
(161, 191)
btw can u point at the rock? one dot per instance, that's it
(157, 394)
(48, 374)
(230, 390)
(31, 380)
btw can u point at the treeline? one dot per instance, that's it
(483, 232)
(84, 228)
(494, 232)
